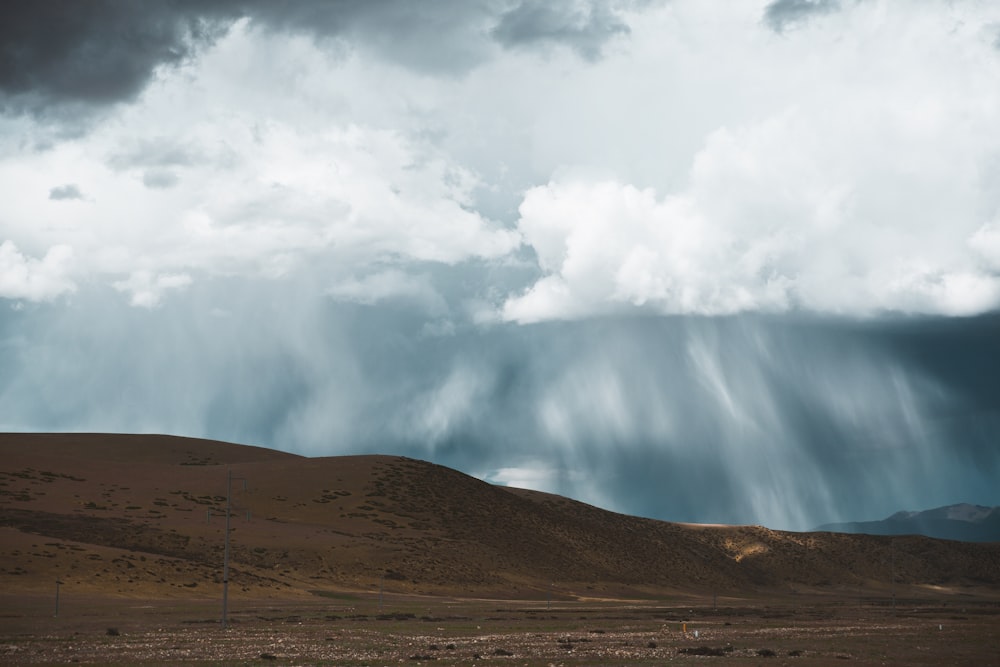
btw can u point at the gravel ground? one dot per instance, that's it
(475, 632)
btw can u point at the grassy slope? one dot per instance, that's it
(143, 516)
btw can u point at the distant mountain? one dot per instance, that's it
(963, 522)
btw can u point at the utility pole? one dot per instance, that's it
(58, 583)
(892, 570)
(225, 558)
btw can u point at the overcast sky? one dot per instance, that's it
(697, 260)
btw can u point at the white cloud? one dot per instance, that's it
(245, 179)
(355, 194)
(848, 174)
(607, 246)
(23, 277)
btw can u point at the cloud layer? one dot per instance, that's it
(847, 166)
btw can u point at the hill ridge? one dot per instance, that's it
(145, 518)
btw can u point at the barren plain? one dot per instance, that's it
(376, 560)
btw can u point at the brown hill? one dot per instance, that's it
(142, 515)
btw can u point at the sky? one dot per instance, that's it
(695, 260)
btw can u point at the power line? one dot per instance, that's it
(225, 558)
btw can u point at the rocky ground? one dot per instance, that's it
(362, 631)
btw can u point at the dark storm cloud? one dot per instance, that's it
(62, 59)
(961, 352)
(747, 419)
(780, 15)
(447, 36)
(90, 54)
(63, 192)
(584, 28)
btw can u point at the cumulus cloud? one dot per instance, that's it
(23, 277)
(605, 247)
(844, 199)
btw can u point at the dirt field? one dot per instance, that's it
(361, 630)
(133, 527)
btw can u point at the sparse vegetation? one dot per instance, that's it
(702, 650)
(345, 529)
